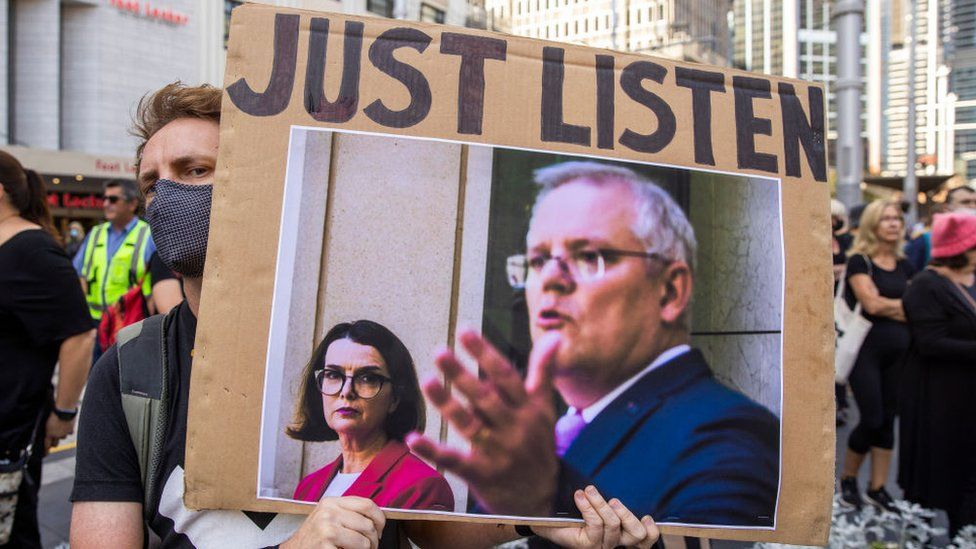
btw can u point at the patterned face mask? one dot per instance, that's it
(179, 218)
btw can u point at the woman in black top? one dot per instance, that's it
(43, 320)
(877, 276)
(841, 242)
(937, 443)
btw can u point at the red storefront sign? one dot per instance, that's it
(148, 10)
(75, 201)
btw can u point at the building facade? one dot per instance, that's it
(72, 73)
(933, 143)
(795, 38)
(691, 30)
(962, 86)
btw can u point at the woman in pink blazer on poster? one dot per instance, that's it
(360, 388)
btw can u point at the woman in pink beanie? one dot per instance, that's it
(937, 461)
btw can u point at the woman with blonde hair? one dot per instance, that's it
(877, 276)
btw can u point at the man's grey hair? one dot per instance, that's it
(130, 191)
(660, 224)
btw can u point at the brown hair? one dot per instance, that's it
(411, 415)
(172, 102)
(27, 193)
(955, 262)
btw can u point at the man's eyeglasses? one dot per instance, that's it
(112, 199)
(584, 265)
(330, 382)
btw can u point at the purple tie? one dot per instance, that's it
(567, 429)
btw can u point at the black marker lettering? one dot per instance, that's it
(798, 131)
(553, 126)
(631, 82)
(381, 55)
(604, 101)
(702, 84)
(471, 79)
(275, 97)
(345, 105)
(747, 126)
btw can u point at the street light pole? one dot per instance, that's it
(910, 189)
(847, 17)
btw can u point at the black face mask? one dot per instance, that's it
(179, 218)
(837, 224)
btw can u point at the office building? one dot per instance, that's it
(687, 30)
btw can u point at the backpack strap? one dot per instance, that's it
(137, 253)
(143, 383)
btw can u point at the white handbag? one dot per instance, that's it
(851, 328)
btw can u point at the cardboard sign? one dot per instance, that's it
(383, 185)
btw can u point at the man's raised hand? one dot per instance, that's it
(511, 466)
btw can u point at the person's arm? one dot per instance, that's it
(98, 524)
(166, 290)
(78, 262)
(74, 361)
(166, 294)
(873, 302)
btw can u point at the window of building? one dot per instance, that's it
(380, 7)
(431, 14)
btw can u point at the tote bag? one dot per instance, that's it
(851, 328)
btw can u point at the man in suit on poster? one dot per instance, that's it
(608, 277)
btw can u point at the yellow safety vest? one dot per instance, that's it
(108, 280)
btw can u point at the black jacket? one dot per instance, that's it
(938, 394)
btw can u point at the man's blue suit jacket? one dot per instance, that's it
(681, 447)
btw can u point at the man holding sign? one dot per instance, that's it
(176, 165)
(608, 277)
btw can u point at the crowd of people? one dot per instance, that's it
(916, 362)
(64, 298)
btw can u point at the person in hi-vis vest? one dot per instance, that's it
(115, 254)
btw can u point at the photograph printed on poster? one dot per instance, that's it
(651, 297)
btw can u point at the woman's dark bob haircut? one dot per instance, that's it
(956, 262)
(410, 414)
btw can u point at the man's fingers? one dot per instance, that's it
(352, 539)
(453, 460)
(365, 508)
(653, 533)
(538, 380)
(632, 531)
(495, 366)
(594, 522)
(348, 522)
(611, 523)
(483, 397)
(460, 417)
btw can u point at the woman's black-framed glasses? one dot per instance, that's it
(585, 265)
(366, 384)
